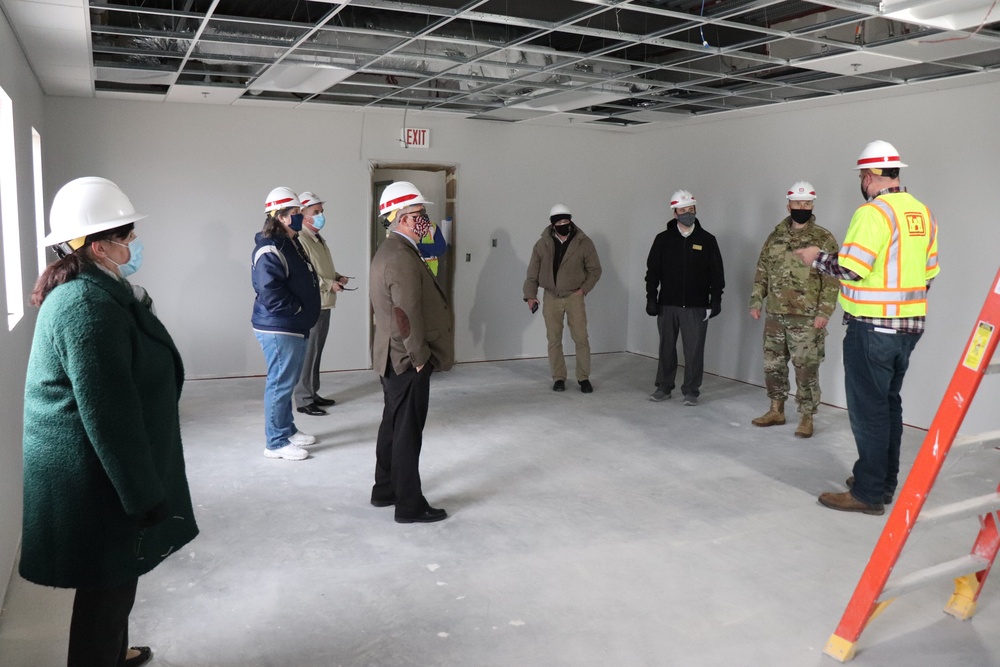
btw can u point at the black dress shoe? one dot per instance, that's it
(383, 502)
(559, 385)
(586, 387)
(323, 402)
(145, 653)
(430, 515)
(311, 409)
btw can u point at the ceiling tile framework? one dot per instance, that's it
(617, 62)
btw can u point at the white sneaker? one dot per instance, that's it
(301, 439)
(291, 452)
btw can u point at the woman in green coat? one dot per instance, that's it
(105, 493)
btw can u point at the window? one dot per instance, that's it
(36, 158)
(8, 213)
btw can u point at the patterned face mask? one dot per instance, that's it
(422, 224)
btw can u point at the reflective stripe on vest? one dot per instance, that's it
(892, 285)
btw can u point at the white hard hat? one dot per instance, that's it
(559, 209)
(682, 199)
(879, 154)
(309, 199)
(801, 191)
(87, 206)
(400, 195)
(280, 198)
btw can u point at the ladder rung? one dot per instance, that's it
(941, 572)
(975, 443)
(993, 368)
(960, 510)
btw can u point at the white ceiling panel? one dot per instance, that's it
(67, 87)
(67, 72)
(28, 13)
(204, 94)
(56, 47)
(940, 46)
(855, 63)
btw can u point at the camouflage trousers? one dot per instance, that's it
(793, 337)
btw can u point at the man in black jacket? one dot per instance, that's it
(684, 283)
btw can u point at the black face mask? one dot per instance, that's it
(564, 229)
(801, 215)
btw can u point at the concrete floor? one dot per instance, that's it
(597, 529)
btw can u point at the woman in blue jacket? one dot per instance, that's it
(285, 309)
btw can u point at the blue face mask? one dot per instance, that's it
(296, 224)
(318, 221)
(134, 260)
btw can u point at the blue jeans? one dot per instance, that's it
(874, 365)
(284, 355)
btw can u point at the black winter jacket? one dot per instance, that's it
(685, 272)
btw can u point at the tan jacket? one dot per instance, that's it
(580, 267)
(319, 255)
(413, 322)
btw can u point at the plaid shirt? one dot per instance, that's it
(827, 263)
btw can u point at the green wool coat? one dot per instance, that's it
(102, 441)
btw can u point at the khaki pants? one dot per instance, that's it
(554, 308)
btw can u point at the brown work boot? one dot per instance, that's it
(805, 428)
(845, 502)
(773, 417)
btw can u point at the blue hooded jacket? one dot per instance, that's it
(287, 291)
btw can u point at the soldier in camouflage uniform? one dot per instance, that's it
(799, 302)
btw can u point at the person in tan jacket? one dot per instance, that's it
(565, 265)
(414, 336)
(306, 394)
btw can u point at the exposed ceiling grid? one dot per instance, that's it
(618, 62)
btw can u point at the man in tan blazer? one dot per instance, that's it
(414, 335)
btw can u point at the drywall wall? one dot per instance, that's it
(739, 170)
(19, 83)
(202, 173)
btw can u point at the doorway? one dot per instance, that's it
(438, 184)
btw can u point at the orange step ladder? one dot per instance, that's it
(876, 589)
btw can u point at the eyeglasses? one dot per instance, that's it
(420, 214)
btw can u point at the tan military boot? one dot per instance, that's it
(773, 417)
(805, 429)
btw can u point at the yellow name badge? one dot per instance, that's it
(696, 247)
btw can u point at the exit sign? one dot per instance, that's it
(414, 137)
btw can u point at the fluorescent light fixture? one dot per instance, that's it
(573, 99)
(944, 14)
(308, 79)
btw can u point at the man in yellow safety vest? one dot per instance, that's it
(885, 266)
